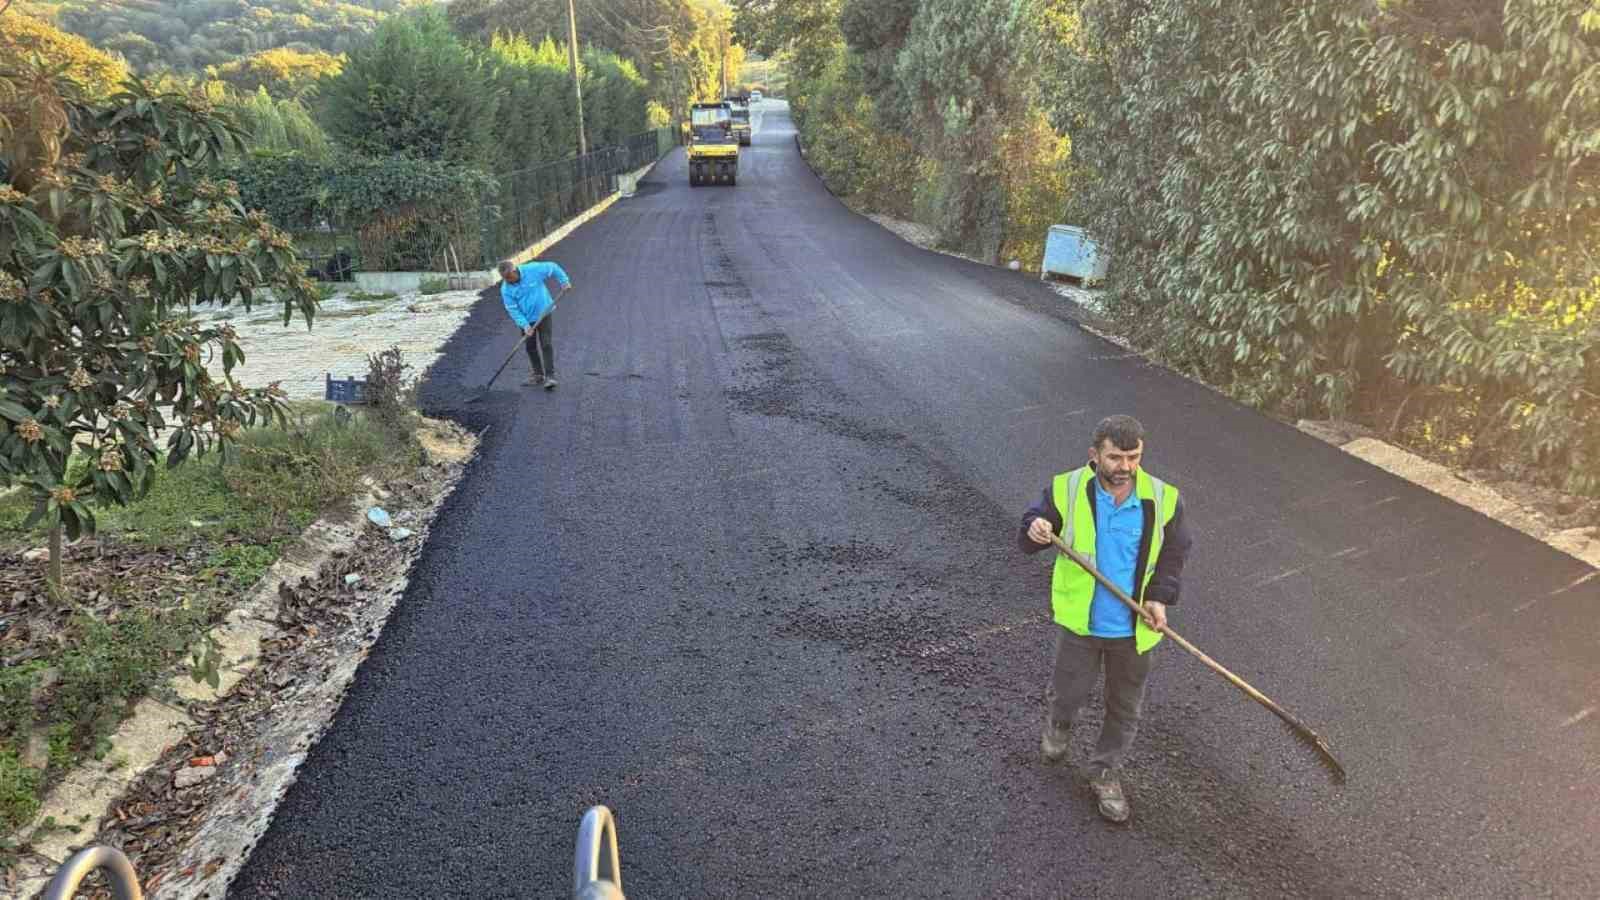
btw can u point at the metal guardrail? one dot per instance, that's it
(596, 865)
(597, 846)
(119, 872)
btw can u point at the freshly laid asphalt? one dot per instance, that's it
(748, 577)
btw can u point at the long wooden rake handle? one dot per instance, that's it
(1300, 728)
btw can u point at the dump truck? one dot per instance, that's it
(713, 148)
(741, 118)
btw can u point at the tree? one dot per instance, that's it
(806, 30)
(190, 35)
(676, 45)
(107, 238)
(96, 72)
(414, 89)
(283, 72)
(963, 79)
(1384, 211)
(279, 126)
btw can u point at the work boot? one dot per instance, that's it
(550, 383)
(1108, 790)
(534, 380)
(1053, 745)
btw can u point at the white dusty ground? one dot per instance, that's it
(346, 330)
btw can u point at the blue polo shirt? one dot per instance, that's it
(1117, 530)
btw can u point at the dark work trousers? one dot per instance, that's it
(545, 346)
(1078, 663)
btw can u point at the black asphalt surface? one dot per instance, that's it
(749, 578)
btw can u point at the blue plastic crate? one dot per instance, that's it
(1069, 253)
(350, 391)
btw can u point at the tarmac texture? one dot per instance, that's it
(749, 577)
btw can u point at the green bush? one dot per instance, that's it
(1381, 212)
(401, 211)
(414, 89)
(433, 284)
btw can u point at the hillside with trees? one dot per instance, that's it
(190, 35)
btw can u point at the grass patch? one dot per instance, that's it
(196, 492)
(434, 285)
(379, 297)
(19, 791)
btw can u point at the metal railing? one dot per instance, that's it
(532, 203)
(119, 872)
(524, 206)
(597, 848)
(596, 865)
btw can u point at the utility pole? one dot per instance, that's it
(572, 60)
(724, 65)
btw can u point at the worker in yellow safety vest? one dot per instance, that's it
(1131, 525)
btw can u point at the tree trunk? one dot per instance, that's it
(55, 562)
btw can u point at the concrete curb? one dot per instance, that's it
(87, 794)
(1575, 542)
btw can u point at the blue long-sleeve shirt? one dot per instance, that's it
(529, 299)
(1117, 530)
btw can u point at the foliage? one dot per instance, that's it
(107, 237)
(1383, 212)
(282, 479)
(962, 78)
(1034, 165)
(540, 123)
(400, 209)
(437, 284)
(190, 35)
(19, 787)
(287, 477)
(282, 72)
(109, 665)
(23, 37)
(879, 168)
(930, 111)
(414, 89)
(16, 701)
(807, 31)
(278, 126)
(390, 391)
(676, 46)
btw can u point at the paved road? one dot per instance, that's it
(749, 579)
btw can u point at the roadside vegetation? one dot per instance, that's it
(1379, 213)
(138, 596)
(141, 491)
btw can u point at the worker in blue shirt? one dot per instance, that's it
(526, 298)
(1131, 524)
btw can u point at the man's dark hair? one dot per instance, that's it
(1123, 431)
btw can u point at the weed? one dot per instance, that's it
(437, 284)
(390, 391)
(19, 791)
(16, 701)
(365, 297)
(243, 564)
(60, 742)
(112, 665)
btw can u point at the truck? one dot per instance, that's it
(713, 148)
(740, 105)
